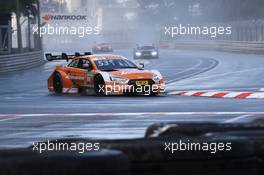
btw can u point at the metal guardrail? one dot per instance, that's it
(16, 62)
(221, 45)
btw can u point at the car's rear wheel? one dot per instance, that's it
(57, 83)
(99, 86)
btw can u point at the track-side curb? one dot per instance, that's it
(220, 94)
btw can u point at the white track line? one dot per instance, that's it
(228, 94)
(237, 118)
(8, 119)
(16, 116)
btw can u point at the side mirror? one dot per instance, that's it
(141, 66)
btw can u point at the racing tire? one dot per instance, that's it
(99, 86)
(57, 83)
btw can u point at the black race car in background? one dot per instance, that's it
(145, 51)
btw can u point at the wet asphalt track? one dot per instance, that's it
(25, 92)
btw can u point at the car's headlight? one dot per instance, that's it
(154, 53)
(155, 77)
(119, 79)
(138, 54)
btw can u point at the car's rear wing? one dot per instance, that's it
(64, 56)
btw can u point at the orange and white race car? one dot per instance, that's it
(104, 75)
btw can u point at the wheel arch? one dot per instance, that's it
(157, 73)
(65, 81)
(104, 75)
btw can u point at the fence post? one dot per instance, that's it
(29, 32)
(262, 33)
(241, 31)
(237, 33)
(251, 33)
(247, 31)
(256, 30)
(9, 34)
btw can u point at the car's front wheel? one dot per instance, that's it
(99, 86)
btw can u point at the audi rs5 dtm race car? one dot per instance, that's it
(145, 51)
(104, 75)
(102, 47)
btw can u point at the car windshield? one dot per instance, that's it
(114, 64)
(146, 47)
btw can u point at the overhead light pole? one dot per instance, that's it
(39, 38)
(19, 37)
